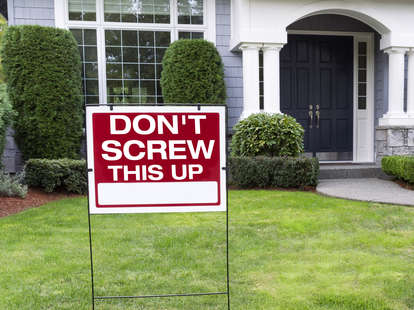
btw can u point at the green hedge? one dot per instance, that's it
(265, 134)
(43, 72)
(271, 172)
(53, 174)
(401, 167)
(193, 73)
(6, 115)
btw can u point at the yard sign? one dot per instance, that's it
(150, 159)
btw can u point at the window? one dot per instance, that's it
(84, 10)
(190, 35)
(86, 39)
(190, 11)
(362, 75)
(261, 81)
(122, 43)
(133, 65)
(137, 11)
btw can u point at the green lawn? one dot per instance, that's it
(289, 250)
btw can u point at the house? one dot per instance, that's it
(343, 69)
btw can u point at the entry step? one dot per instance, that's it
(351, 171)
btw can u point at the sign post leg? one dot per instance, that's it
(227, 244)
(90, 253)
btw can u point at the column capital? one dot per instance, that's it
(250, 46)
(411, 51)
(396, 50)
(272, 46)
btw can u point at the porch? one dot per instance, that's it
(380, 103)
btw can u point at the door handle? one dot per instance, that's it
(311, 119)
(318, 117)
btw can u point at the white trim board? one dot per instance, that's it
(363, 131)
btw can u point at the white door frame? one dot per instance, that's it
(363, 131)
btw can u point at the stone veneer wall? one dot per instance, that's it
(394, 141)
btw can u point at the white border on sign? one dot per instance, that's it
(90, 110)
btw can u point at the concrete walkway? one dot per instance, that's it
(375, 190)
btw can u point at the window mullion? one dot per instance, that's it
(102, 65)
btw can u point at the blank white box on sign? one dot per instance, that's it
(153, 193)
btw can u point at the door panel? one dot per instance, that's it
(303, 89)
(317, 75)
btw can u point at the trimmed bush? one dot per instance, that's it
(3, 27)
(265, 134)
(193, 73)
(272, 172)
(6, 116)
(43, 72)
(10, 186)
(401, 167)
(53, 174)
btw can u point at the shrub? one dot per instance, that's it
(193, 73)
(401, 167)
(271, 172)
(43, 72)
(3, 27)
(6, 115)
(11, 187)
(53, 174)
(265, 134)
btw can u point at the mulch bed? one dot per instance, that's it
(34, 198)
(404, 184)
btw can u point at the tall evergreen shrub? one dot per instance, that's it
(43, 71)
(6, 115)
(193, 73)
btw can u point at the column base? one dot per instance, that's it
(247, 113)
(272, 112)
(394, 140)
(396, 120)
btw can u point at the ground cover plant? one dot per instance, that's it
(288, 251)
(43, 73)
(11, 186)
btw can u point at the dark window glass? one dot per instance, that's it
(83, 10)
(190, 35)
(133, 65)
(190, 11)
(362, 103)
(86, 39)
(142, 11)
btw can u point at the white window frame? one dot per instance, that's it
(62, 21)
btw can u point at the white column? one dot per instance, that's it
(395, 114)
(251, 103)
(271, 77)
(410, 84)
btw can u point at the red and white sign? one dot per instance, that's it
(148, 159)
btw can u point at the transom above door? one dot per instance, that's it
(316, 87)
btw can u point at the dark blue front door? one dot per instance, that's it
(317, 89)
